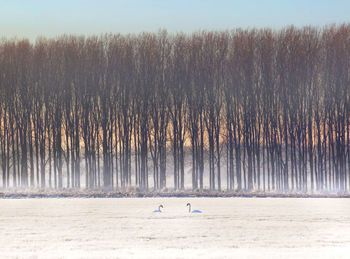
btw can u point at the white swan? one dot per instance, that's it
(193, 211)
(158, 210)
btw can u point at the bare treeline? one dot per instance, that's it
(264, 110)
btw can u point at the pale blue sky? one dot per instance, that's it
(32, 18)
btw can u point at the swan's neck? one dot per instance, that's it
(159, 208)
(189, 208)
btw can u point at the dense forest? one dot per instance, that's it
(266, 110)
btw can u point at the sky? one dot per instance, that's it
(51, 18)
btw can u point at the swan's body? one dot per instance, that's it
(158, 210)
(193, 211)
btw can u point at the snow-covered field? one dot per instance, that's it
(127, 228)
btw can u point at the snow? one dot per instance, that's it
(127, 228)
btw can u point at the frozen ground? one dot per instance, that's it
(127, 228)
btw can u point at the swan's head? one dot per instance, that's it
(188, 204)
(160, 206)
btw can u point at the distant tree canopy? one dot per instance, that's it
(265, 110)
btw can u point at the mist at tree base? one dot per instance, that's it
(243, 110)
